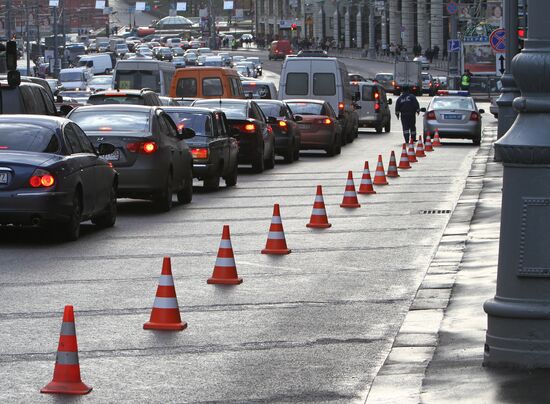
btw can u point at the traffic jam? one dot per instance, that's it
(177, 139)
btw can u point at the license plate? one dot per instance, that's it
(113, 156)
(304, 126)
(452, 116)
(4, 178)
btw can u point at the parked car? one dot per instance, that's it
(255, 136)
(454, 117)
(214, 149)
(286, 130)
(51, 175)
(134, 97)
(150, 155)
(374, 110)
(318, 124)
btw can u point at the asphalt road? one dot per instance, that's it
(312, 326)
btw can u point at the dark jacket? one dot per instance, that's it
(407, 104)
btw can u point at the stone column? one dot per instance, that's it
(422, 24)
(436, 12)
(384, 28)
(347, 34)
(359, 24)
(336, 27)
(407, 20)
(372, 31)
(395, 23)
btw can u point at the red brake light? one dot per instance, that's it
(149, 147)
(377, 106)
(376, 95)
(474, 116)
(340, 105)
(41, 178)
(327, 121)
(47, 180)
(200, 154)
(431, 115)
(250, 127)
(142, 147)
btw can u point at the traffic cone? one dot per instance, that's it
(166, 312)
(366, 182)
(428, 145)
(411, 154)
(437, 139)
(276, 242)
(380, 174)
(420, 148)
(66, 373)
(319, 219)
(404, 163)
(350, 197)
(392, 167)
(225, 270)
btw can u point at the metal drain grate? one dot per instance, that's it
(436, 212)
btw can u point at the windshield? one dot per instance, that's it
(137, 79)
(97, 120)
(199, 122)
(271, 109)
(452, 103)
(233, 110)
(304, 108)
(384, 77)
(71, 76)
(27, 137)
(257, 90)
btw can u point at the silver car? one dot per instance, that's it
(454, 117)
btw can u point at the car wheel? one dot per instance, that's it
(296, 152)
(378, 128)
(333, 149)
(338, 145)
(108, 217)
(387, 128)
(212, 183)
(231, 179)
(163, 201)
(289, 153)
(70, 231)
(258, 165)
(477, 141)
(270, 162)
(185, 195)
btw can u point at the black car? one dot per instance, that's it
(51, 175)
(133, 97)
(214, 150)
(151, 157)
(255, 136)
(27, 98)
(286, 130)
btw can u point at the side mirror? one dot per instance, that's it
(105, 148)
(298, 118)
(65, 109)
(481, 111)
(271, 120)
(186, 133)
(390, 101)
(422, 109)
(59, 98)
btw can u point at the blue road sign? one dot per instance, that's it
(497, 39)
(452, 7)
(453, 45)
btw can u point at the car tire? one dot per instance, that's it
(212, 183)
(387, 127)
(185, 195)
(231, 179)
(296, 152)
(270, 162)
(108, 217)
(70, 231)
(258, 166)
(378, 128)
(476, 141)
(289, 153)
(333, 149)
(163, 201)
(338, 145)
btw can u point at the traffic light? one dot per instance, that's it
(11, 55)
(293, 27)
(522, 35)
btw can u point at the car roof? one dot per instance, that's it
(120, 107)
(43, 120)
(258, 82)
(128, 91)
(222, 100)
(190, 109)
(306, 100)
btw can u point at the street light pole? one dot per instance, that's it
(518, 328)
(454, 70)
(8, 19)
(372, 32)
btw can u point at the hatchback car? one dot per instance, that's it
(214, 150)
(318, 124)
(51, 175)
(255, 136)
(454, 117)
(151, 157)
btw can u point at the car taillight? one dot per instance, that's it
(474, 116)
(326, 121)
(377, 106)
(340, 105)
(376, 95)
(142, 147)
(430, 84)
(393, 83)
(283, 124)
(431, 115)
(200, 154)
(41, 178)
(249, 127)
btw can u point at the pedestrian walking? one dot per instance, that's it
(406, 107)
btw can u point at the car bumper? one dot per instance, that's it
(316, 139)
(204, 170)
(34, 207)
(249, 150)
(467, 131)
(370, 121)
(139, 182)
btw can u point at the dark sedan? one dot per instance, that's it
(286, 130)
(51, 174)
(255, 136)
(214, 150)
(151, 157)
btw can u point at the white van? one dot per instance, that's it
(76, 77)
(144, 73)
(173, 42)
(99, 63)
(325, 79)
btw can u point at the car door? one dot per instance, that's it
(233, 144)
(267, 133)
(221, 141)
(172, 143)
(85, 165)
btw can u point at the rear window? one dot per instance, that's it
(200, 123)
(233, 110)
(452, 103)
(367, 93)
(384, 77)
(27, 137)
(212, 86)
(271, 109)
(111, 121)
(121, 98)
(297, 84)
(187, 87)
(71, 76)
(257, 90)
(324, 84)
(304, 108)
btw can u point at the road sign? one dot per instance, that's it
(501, 60)
(452, 7)
(453, 45)
(497, 39)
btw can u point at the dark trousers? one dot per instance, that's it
(409, 126)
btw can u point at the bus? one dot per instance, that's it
(144, 73)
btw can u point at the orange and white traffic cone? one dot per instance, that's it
(404, 163)
(350, 197)
(66, 374)
(437, 139)
(165, 315)
(380, 174)
(319, 219)
(276, 242)
(225, 270)
(366, 182)
(411, 154)
(392, 167)
(428, 145)
(420, 148)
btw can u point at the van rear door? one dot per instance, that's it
(295, 81)
(325, 85)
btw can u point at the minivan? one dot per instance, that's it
(206, 82)
(325, 79)
(144, 73)
(99, 63)
(375, 110)
(76, 77)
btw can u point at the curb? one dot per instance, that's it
(401, 376)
